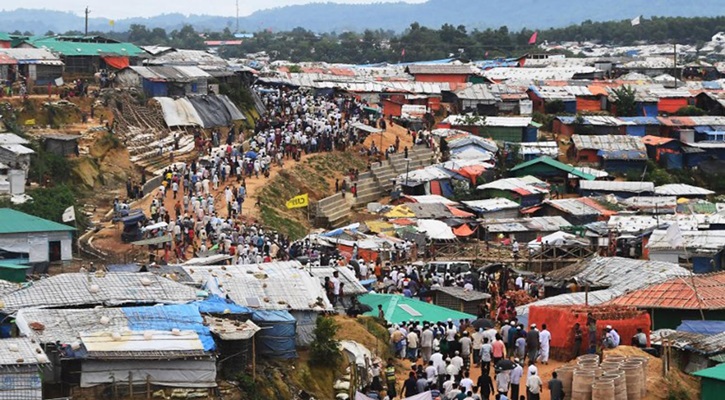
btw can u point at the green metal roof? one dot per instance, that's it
(555, 164)
(4, 36)
(12, 221)
(716, 372)
(70, 48)
(399, 308)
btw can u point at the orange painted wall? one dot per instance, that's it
(392, 108)
(671, 105)
(442, 78)
(588, 104)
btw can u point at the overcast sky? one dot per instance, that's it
(148, 8)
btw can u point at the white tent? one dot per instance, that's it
(436, 230)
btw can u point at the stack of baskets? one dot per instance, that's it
(616, 377)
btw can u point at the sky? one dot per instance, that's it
(149, 8)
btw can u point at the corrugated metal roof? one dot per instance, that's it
(283, 285)
(441, 69)
(12, 221)
(519, 185)
(575, 207)
(65, 325)
(554, 164)
(695, 292)
(618, 274)
(608, 143)
(21, 351)
(33, 56)
(75, 289)
(11, 138)
(71, 48)
(171, 73)
(681, 189)
(511, 122)
(708, 345)
(460, 293)
(534, 224)
(617, 186)
(536, 74)
(693, 240)
(197, 58)
(489, 205)
(550, 149)
(479, 92)
(17, 149)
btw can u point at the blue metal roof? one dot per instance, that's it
(166, 318)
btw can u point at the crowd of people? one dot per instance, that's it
(447, 356)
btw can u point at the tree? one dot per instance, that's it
(690, 111)
(626, 101)
(324, 350)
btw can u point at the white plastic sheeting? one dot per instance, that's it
(179, 112)
(436, 230)
(172, 373)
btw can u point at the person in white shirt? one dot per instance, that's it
(457, 363)
(516, 375)
(466, 383)
(431, 372)
(485, 356)
(439, 363)
(477, 343)
(519, 282)
(544, 341)
(413, 342)
(426, 343)
(533, 385)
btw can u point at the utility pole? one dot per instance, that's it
(88, 11)
(237, 31)
(675, 70)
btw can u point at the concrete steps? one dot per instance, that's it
(334, 211)
(368, 190)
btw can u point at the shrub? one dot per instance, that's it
(324, 350)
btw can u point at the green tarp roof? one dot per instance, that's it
(4, 36)
(12, 221)
(399, 308)
(82, 48)
(555, 164)
(716, 372)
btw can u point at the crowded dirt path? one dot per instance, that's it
(108, 239)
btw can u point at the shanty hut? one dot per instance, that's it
(109, 289)
(277, 286)
(614, 153)
(701, 249)
(149, 347)
(61, 144)
(456, 298)
(527, 190)
(22, 364)
(680, 298)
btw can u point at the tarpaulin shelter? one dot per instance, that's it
(277, 337)
(463, 231)
(398, 309)
(702, 327)
(436, 230)
(560, 321)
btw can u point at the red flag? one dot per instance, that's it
(402, 53)
(533, 38)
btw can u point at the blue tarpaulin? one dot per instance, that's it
(217, 305)
(702, 327)
(184, 317)
(277, 337)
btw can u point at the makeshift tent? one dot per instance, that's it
(436, 230)
(464, 231)
(217, 305)
(399, 308)
(557, 239)
(116, 62)
(179, 112)
(277, 337)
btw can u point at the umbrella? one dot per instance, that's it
(482, 323)
(251, 154)
(505, 365)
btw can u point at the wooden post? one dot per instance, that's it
(254, 359)
(148, 386)
(130, 384)
(114, 387)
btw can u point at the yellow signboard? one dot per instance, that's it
(298, 201)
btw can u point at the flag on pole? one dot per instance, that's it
(111, 22)
(636, 21)
(532, 39)
(69, 214)
(673, 236)
(300, 201)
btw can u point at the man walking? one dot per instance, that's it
(544, 341)
(516, 375)
(556, 387)
(426, 343)
(532, 343)
(533, 385)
